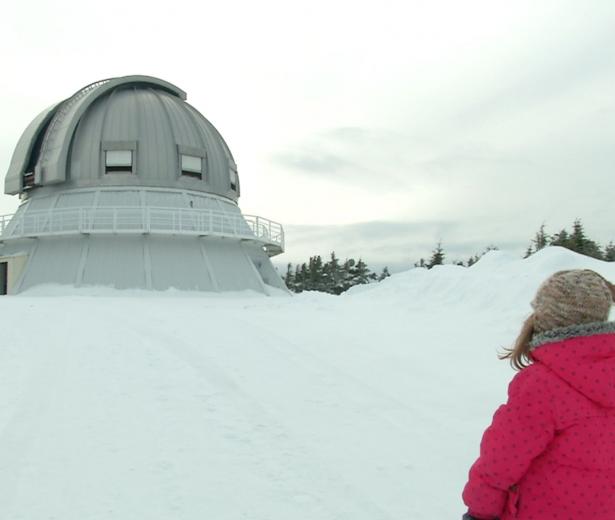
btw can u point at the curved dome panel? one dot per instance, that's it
(13, 182)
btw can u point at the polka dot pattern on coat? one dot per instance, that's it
(550, 450)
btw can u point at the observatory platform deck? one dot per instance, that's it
(143, 220)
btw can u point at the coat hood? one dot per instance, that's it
(583, 356)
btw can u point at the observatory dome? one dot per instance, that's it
(125, 184)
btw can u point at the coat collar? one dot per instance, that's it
(572, 331)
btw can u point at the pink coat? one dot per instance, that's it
(550, 451)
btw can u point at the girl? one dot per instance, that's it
(550, 451)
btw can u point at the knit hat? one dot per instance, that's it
(571, 298)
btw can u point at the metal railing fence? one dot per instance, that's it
(132, 220)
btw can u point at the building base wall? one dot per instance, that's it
(149, 262)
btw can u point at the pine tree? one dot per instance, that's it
(472, 260)
(347, 276)
(577, 241)
(302, 277)
(384, 274)
(562, 239)
(335, 273)
(541, 239)
(437, 256)
(581, 244)
(578, 238)
(289, 277)
(609, 252)
(315, 274)
(359, 273)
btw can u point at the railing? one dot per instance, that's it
(4, 222)
(143, 220)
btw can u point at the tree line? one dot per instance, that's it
(333, 276)
(575, 239)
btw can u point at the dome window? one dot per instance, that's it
(119, 157)
(192, 162)
(192, 166)
(233, 176)
(118, 161)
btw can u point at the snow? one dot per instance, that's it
(370, 405)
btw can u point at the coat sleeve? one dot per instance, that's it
(521, 430)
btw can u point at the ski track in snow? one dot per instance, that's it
(361, 407)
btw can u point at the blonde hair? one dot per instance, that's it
(519, 354)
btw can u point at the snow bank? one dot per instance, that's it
(123, 405)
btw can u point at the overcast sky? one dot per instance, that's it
(372, 128)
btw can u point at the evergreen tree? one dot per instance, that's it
(541, 239)
(335, 275)
(472, 260)
(303, 278)
(289, 277)
(578, 238)
(562, 239)
(346, 279)
(581, 244)
(475, 258)
(609, 252)
(360, 273)
(577, 241)
(315, 274)
(384, 274)
(437, 256)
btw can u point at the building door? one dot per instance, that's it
(4, 278)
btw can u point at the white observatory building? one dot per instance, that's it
(126, 185)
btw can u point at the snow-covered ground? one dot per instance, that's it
(133, 406)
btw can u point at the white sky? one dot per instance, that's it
(375, 129)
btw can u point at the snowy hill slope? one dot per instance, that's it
(172, 406)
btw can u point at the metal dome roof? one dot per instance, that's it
(68, 144)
